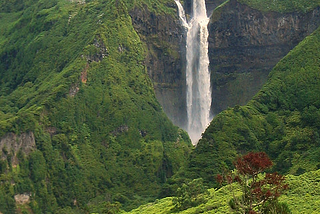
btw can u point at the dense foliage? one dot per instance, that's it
(190, 194)
(74, 75)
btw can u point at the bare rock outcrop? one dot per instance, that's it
(163, 35)
(12, 143)
(22, 198)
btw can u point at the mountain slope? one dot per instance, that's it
(282, 119)
(73, 78)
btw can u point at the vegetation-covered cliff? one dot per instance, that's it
(73, 79)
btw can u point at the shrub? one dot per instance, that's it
(259, 193)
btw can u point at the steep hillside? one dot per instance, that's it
(78, 114)
(282, 119)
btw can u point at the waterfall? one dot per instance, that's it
(182, 14)
(198, 92)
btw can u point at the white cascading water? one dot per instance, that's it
(197, 69)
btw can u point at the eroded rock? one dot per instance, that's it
(12, 143)
(165, 58)
(22, 198)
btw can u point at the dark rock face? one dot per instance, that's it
(245, 44)
(165, 61)
(11, 144)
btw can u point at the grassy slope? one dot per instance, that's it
(113, 122)
(302, 197)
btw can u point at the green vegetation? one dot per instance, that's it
(190, 195)
(302, 189)
(155, 6)
(74, 75)
(282, 6)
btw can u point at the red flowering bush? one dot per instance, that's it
(260, 193)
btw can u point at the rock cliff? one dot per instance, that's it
(245, 44)
(165, 59)
(11, 144)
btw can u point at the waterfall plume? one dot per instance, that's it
(198, 94)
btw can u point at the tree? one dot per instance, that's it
(260, 193)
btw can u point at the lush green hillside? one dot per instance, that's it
(302, 197)
(282, 119)
(74, 75)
